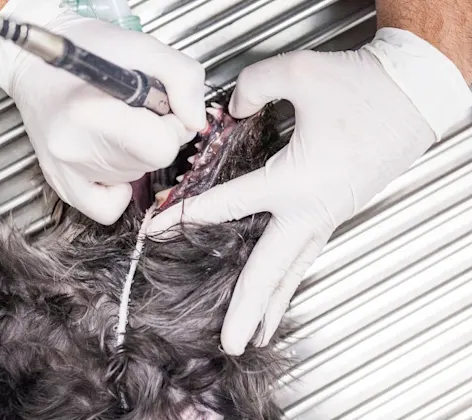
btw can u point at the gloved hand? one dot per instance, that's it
(362, 119)
(88, 144)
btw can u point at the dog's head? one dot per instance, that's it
(59, 300)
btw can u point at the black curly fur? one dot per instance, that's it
(59, 301)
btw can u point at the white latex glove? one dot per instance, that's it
(88, 144)
(360, 123)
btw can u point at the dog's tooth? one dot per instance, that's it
(216, 105)
(191, 159)
(199, 146)
(214, 112)
(179, 178)
(162, 196)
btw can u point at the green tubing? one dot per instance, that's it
(81, 7)
(130, 22)
(86, 8)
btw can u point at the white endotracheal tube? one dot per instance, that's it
(117, 12)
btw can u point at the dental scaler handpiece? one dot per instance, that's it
(131, 86)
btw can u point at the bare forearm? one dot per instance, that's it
(2, 3)
(446, 24)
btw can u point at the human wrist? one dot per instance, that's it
(445, 24)
(417, 45)
(430, 80)
(2, 3)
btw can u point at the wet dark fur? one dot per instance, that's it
(59, 301)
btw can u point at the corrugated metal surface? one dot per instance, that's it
(385, 314)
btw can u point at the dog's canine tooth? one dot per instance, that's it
(214, 112)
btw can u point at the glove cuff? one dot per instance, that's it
(431, 81)
(36, 12)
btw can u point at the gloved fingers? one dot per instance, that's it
(267, 265)
(107, 175)
(233, 200)
(184, 80)
(280, 299)
(260, 84)
(182, 76)
(90, 155)
(104, 204)
(157, 140)
(151, 140)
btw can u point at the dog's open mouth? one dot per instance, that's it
(211, 146)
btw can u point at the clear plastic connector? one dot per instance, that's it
(117, 12)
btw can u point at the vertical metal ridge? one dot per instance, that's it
(373, 408)
(12, 134)
(40, 225)
(335, 30)
(437, 292)
(6, 104)
(450, 327)
(464, 414)
(443, 406)
(267, 30)
(172, 14)
(444, 248)
(134, 3)
(21, 200)
(218, 22)
(17, 167)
